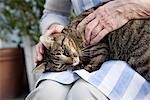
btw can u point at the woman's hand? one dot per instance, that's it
(39, 47)
(110, 17)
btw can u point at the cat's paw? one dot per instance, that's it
(91, 68)
(88, 68)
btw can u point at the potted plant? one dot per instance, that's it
(18, 19)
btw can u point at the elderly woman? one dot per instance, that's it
(105, 83)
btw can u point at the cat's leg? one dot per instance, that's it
(95, 63)
(99, 54)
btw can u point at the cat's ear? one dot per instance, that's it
(46, 41)
(39, 68)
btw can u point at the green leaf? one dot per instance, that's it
(21, 15)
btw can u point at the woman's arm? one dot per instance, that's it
(55, 16)
(55, 11)
(112, 16)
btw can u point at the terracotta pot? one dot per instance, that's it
(11, 72)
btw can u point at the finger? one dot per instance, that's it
(89, 28)
(99, 36)
(53, 29)
(85, 21)
(41, 48)
(48, 32)
(36, 58)
(96, 30)
(39, 56)
(37, 49)
(56, 28)
(59, 28)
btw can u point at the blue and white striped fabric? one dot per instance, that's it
(115, 79)
(82, 5)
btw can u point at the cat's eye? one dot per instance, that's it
(75, 55)
(66, 53)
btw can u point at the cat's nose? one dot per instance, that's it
(76, 61)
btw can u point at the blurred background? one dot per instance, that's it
(19, 32)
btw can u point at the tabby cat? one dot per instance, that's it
(67, 50)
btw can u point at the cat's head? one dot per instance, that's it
(61, 48)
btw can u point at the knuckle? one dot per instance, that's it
(88, 28)
(79, 25)
(108, 27)
(55, 28)
(96, 30)
(87, 19)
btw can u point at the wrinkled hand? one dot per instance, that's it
(110, 17)
(39, 47)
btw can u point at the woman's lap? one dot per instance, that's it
(52, 90)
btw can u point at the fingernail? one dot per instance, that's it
(41, 51)
(39, 58)
(77, 28)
